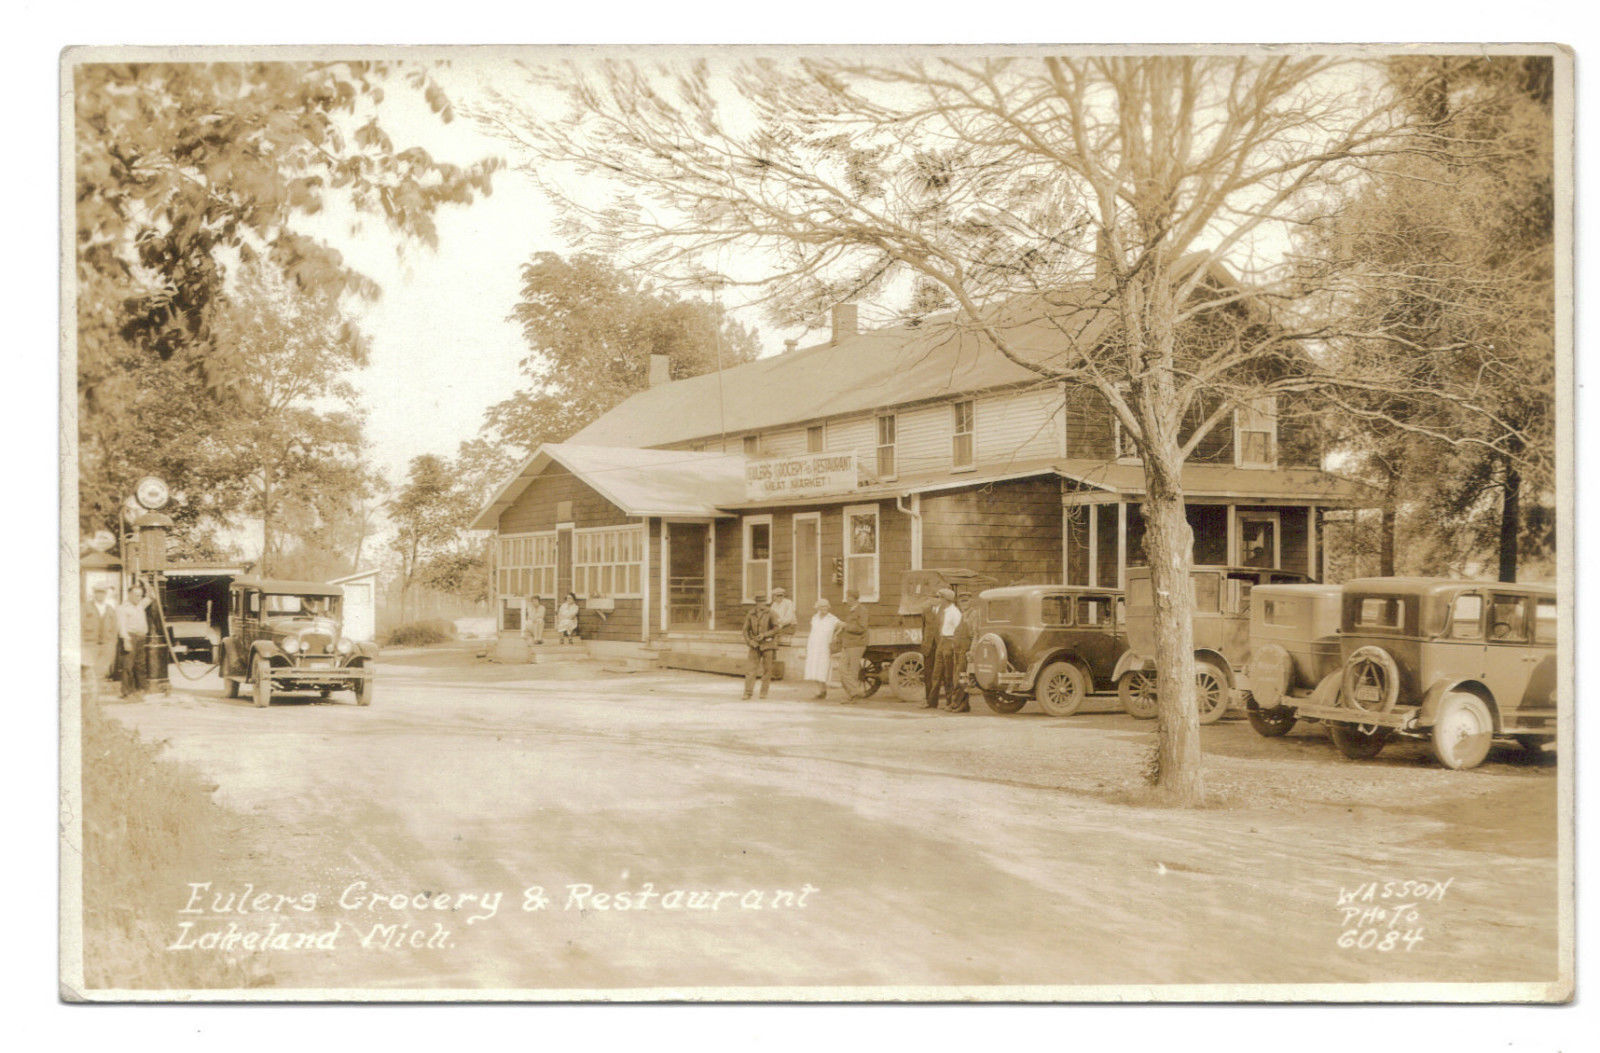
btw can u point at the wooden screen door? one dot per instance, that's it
(807, 564)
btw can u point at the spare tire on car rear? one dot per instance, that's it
(1371, 681)
(989, 660)
(1269, 670)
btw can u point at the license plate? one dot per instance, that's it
(1368, 694)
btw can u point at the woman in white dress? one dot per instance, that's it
(819, 647)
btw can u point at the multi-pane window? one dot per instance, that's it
(527, 565)
(608, 561)
(861, 551)
(816, 438)
(757, 557)
(961, 434)
(1254, 426)
(886, 431)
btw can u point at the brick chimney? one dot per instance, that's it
(660, 369)
(844, 321)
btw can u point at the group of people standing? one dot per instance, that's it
(946, 639)
(116, 639)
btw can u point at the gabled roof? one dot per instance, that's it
(639, 482)
(872, 370)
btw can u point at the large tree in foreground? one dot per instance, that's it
(591, 328)
(1072, 192)
(181, 172)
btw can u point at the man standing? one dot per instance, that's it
(783, 617)
(852, 646)
(760, 636)
(133, 629)
(966, 633)
(944, 680)
(932, 624)
(99, 636)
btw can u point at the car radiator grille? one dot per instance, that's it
(316, 643)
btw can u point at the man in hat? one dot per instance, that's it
(932, 624)
(944, 657)
(852, 646)
(133, 629)
(99, 635)
(783, 616)
(761, 637)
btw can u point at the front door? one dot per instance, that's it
(687, 599)
(807, 564)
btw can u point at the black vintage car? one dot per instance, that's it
(288, 634)
(1054, 644)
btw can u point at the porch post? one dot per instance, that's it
(644, 584)
(711, 574)
(666, 561)
(1122, 544)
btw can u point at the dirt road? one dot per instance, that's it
(678, 837)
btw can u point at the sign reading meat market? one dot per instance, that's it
(808, 475)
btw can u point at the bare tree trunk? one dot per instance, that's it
(266, 522)
(1169, 545)
(1510, 519)
(1386, 528)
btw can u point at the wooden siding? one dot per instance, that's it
(1010, 531)
(535, 509)
(1020, 425)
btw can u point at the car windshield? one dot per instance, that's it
(280, 606)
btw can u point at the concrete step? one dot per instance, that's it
(712, 663)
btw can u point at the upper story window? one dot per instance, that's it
(752, 446)
(816, 438)
(961, 455)
(1255, 427)
(1122, 444)
(886, 434)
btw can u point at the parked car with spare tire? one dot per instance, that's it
(289, 635)
(1457, 663)
(1221, 636)
(1051, 644)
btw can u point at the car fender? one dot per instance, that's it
(268, 650)
(1130, 662)
(365, 649)
(1435, 698)
(1061, 655)
(1217, 660)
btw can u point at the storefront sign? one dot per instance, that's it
(808, 475)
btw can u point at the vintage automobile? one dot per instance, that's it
(1221, 636)
(1458, 663)
(894, 653)
(1054, 644)
(287, 634)
(1294, 646)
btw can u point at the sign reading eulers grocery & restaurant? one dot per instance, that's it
(806, 475)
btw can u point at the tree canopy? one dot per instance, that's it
(183, 172)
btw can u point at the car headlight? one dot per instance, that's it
(346, 646)
(291, 645)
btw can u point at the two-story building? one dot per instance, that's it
(845, 464)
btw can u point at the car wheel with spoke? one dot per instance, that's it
(1462, 731)
(1061, 689)
(1137, 692)
(871, 678)
(905, 677)
(1211, 692)
(261, 675)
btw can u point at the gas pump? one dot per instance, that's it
(149, 552)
